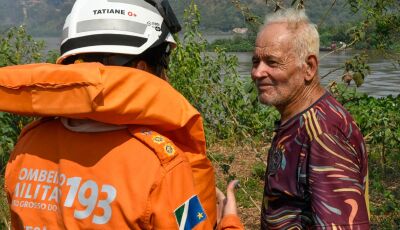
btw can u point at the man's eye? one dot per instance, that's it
(272, 63)
(255, 61)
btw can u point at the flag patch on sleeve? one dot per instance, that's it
(190, 213)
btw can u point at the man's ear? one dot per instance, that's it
(142, 65)
(311, 67)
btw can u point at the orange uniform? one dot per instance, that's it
(146, 169)
(123, 179)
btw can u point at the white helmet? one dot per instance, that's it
(117, 26)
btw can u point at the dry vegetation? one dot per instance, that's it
(243, 162)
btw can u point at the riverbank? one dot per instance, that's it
(384, 79)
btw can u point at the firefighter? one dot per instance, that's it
(115, 147)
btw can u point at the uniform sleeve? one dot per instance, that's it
(337, 178)
(230, 222)
(173, 203)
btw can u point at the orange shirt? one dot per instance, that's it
(81, 178)
(60, 179)
(149, 171)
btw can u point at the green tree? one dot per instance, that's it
(212, 84)
(377, 26)
(18, 47)
(381, 21)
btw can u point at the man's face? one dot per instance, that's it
(276, 70)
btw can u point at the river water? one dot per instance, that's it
(384, 79)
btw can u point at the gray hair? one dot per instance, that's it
(306, 37)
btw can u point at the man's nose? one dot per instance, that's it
(259, 70)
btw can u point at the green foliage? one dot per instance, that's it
(217, 15)
(45, 18)
(210, 81)
(356, 69)
(328, 34)
(389, 202)
(253, 21)
(17, 47)
(379, 119)
(4, 209)
(253, 190)
(259, 170)
(375, 25)
(385, 205)
(224, 162)
(52, 56)
(338, 33)
(10, 127)
(344, 93)
(381, 21)
(42, 18)
(237, 44)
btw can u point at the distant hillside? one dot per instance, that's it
(46, 17)
(217, 15)
(42, 17)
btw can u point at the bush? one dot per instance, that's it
(17, 47)
(379, 119)
(210, 81)
(237, 44)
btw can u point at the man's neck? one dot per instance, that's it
(301, 102)
(89, 126)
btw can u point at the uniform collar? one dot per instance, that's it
(89, 126)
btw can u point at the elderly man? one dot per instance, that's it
(316, 173)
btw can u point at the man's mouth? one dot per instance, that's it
(264, 85)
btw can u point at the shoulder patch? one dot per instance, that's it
(161, 145)
(190, 213)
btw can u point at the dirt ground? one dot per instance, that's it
(243, 160)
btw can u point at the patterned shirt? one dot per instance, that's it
(317, 176)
